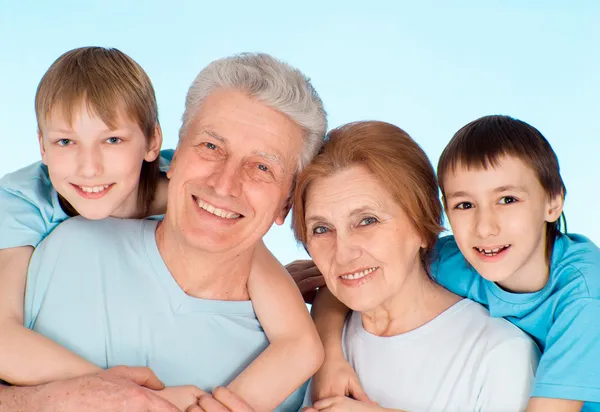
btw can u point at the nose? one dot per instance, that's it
(487, 223)
(346, 250)
(89, 162)
(226, 179)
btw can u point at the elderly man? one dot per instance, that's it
(173, 295)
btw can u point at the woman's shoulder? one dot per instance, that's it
(490, 330)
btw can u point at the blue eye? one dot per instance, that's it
(507, 200)
(368, 221)
(63, 142)
(211, 146)
(319, 230)
(263, 168)
(114, 140)
(464, 205)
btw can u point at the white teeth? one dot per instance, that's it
(358, 275)
(216, 211)
(491, 252)
(94, 189)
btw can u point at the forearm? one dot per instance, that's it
(23, 399)
(28, 358)
(329, 315)
(281, 369)
(553, 405)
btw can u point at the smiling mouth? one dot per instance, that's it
(93, 189)
(222, 213)
(491, 252)
(358, 275)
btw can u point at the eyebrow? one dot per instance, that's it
(499, 189)
(355, 212)
(215, 135)
(270, 156)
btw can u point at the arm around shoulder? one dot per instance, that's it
(295, 347)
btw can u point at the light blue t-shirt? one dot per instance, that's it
(563, 318)
(29, 206)
(101, 289)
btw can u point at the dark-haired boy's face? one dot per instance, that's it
(498, 216)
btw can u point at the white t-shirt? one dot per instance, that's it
(463, 360)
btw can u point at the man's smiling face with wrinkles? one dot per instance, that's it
(232, 172)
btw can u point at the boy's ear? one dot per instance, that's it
(155, 144)
(555, 208)
(172, 165)
(42, 148)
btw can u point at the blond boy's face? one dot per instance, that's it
(94, 168)
(498, 217)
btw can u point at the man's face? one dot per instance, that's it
(232, 173)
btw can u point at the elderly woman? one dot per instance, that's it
(367, 210)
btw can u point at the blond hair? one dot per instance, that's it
(106, 80)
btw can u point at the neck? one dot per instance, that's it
(531, 276)
(216, 276)
(159, 204)
(419, 301)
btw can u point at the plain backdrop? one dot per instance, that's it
(428, 67)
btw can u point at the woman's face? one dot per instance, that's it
(360, 238)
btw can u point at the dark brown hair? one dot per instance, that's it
(105, 80)
(394, 158)
(481, 144)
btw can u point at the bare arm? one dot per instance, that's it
(26, 357)
(553, 405)
(295, 351)
(119, 389)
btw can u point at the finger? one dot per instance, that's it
(323, 403)
(210, 404)
(194, 408)
(231, 400)
(300, 264)
(357, 392)
(139, 375)
(310, 284)
(308, 409)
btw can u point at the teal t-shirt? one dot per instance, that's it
(29, 206)
(101, 289)
(563, 318)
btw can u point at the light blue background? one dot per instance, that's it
(429, 67)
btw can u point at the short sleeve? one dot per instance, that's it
(451, 270)
(507, 376)
(570, 365)
(21, 221)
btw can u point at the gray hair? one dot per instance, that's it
(274, 83)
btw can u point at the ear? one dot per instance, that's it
(285, 210)
(42, 148)
(155, 144)
(554, 208)
(172, 165)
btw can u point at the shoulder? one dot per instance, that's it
(33, 176)
(79, 230)
(576, 266)
(494, 332)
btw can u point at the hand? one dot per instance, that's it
(119, 389)
(342, 404)
(181, 396)
(221, 400)
(307, 277)
(337, 378)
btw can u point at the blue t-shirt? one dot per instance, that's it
(101, 289)
(29, 206)
(563, 318)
